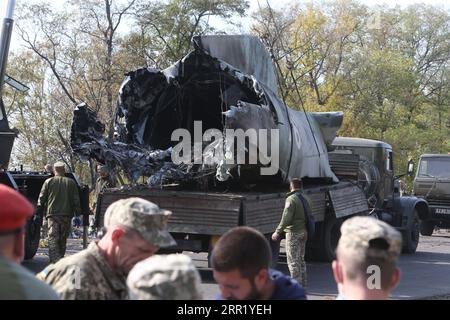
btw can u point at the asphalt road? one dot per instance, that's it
(425, 275)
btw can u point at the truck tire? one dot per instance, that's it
(427, 227)
(330, 238)
(411, 235)
(32, 237)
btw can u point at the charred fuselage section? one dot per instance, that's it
(202, 89)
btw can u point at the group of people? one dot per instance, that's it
(123, 264)
(59, 202)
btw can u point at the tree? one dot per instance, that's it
(165, 29)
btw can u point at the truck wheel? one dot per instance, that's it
(331, 235)
(32, 237)
(411, 235)
(427, 227)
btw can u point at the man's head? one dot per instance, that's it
(296, 184)
(165, 277)
(240, 262)
(103, 170)
(135, 230)
(15, 210)
(59, 168)
(366, 259)
(48, 168)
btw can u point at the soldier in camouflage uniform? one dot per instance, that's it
(59, 200)
(293, 224)
(135, 230)
(366, 259)
(165, 277)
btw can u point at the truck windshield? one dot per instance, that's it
(435, 167)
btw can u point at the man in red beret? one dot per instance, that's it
(17, 283)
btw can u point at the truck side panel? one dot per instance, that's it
(263, 213)
(192, 212)
(348, 201)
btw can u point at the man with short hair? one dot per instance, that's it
(135, 230)
(165, 277)
(17, 283)
(240, 262)
(366, 259)
(293, 224)
(49, 169)
(59, 201)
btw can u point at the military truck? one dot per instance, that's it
(373, 170)
(367, 186)
(28, 183)
(432, 183)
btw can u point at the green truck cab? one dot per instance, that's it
(432, 183)
(375, 175)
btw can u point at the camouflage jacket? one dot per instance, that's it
(293, 218)
(85, 275)
(59, 196)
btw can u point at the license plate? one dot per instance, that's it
(442, 211)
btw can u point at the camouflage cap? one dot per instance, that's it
(165, 277)
(359, 234)
(59, 164)
(143, 216)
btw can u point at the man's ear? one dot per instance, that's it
(18, 249)
(337, 272)
(261, 278)
(395, 278)
(116, 234)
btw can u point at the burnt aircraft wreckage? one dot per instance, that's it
(226, 83)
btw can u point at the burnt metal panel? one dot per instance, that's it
(348, 200)
(192, 212)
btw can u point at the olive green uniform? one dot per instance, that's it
(293, 224)
(60, 199)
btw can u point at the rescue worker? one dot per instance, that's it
(17, 283)
(59, 201)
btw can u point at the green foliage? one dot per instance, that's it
(387, 69)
